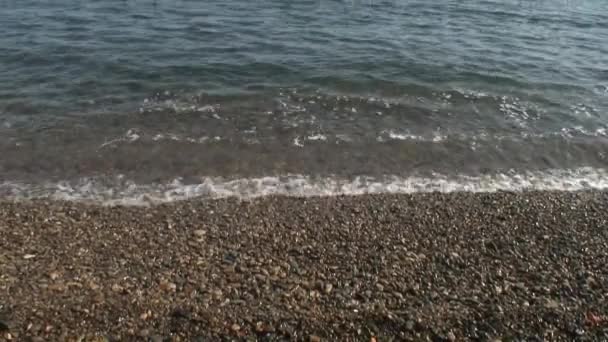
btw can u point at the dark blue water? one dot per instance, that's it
(437, 95)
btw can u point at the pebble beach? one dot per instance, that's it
(442, 267)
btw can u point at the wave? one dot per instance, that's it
(134, 135)
(386, 135)
(119, 191)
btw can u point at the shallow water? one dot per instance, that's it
(108, 97)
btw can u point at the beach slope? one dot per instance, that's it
(458, 266)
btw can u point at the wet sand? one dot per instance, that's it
(450, 267)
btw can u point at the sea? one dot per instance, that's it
(151, 101)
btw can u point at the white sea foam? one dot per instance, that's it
(297, 142)
(475, 137)
(317, 137)
(178, 106)
(472, 94)
(130, 136)
(124, 192)
(581, 109)
(569, 132)
(394, 135)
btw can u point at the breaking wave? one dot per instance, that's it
(119, 191)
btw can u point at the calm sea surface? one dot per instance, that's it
(135, 100)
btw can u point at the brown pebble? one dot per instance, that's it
(167, 286)
(117, 288)
(440, 261)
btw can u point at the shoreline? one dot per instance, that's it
(125, 190)
(439, 266)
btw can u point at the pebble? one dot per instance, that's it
(322, 270)
(409, 325)
(155, 338)
(551, 304)
(167, 286)
(117, 288)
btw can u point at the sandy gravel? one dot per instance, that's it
(440, 267)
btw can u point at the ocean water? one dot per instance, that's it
(136, 101)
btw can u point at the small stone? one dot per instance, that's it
(260, 277)
(380, 287)
(551, 304)
(199, 233)
(235, 327)
(409, 325)
(328, 288)
(99, 339)
(57, 287)
(217, 294)
(520, 286)
(167, 286)
(314, 338)
(451, 336)
(117, 288)
(155, 338)
(54, 275)
(29, 256)
(178, 312)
